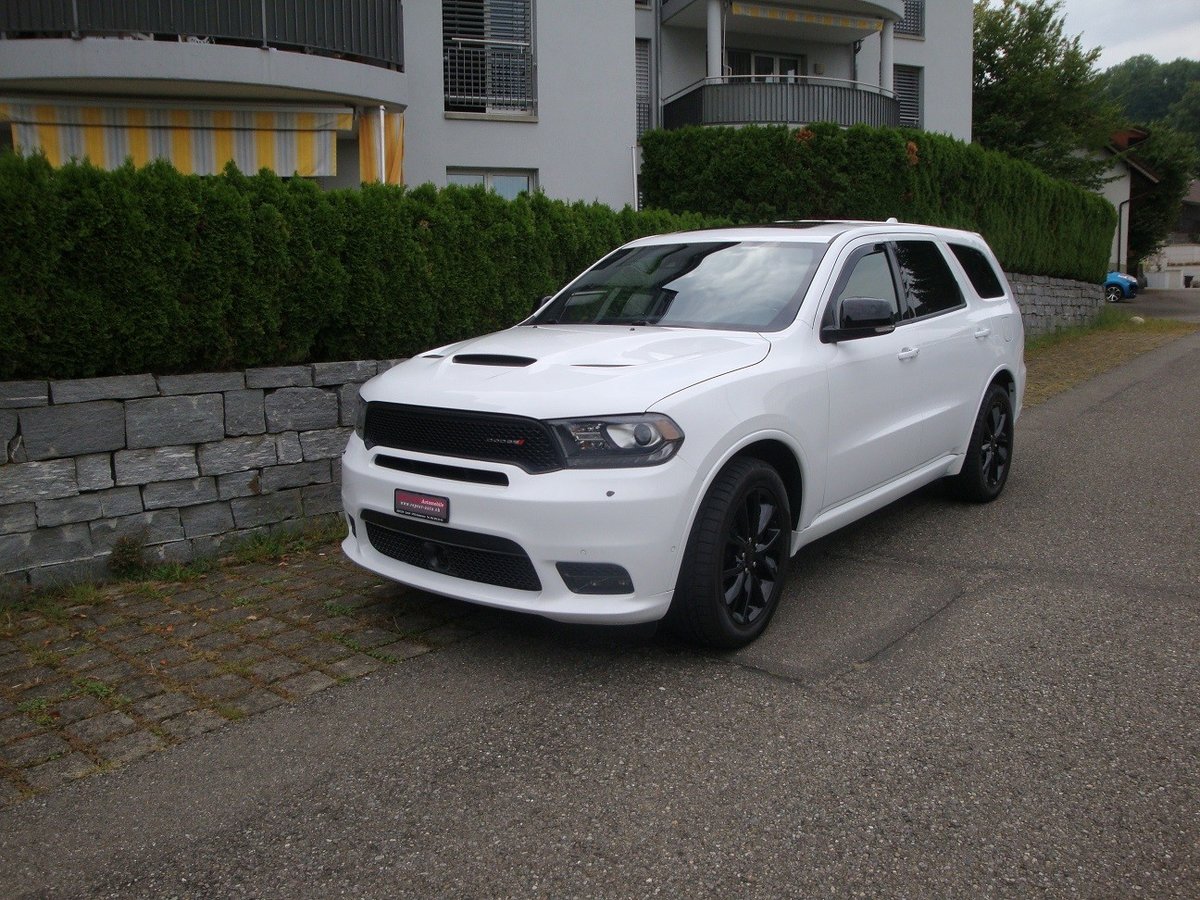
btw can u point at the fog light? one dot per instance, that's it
(595, 578)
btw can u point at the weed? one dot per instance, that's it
(351, 644)
(128, 557)
(180, 573)
(232, 713)
(37, 709)
(272, 545)
(338, 609)
(245, 601)
(97, 689)
(40, 656)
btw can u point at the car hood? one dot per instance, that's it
(557, 371)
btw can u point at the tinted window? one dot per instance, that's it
(871, 276)
(929, 285)
(979, 270)
(747, 285)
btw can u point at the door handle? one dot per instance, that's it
(908, 353)
(982, 332)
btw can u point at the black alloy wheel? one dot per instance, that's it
(736, 561)
(989, 454)
(752, 556)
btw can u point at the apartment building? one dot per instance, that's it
(547, 95)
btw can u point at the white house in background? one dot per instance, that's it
(547, 95)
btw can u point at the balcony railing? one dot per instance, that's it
(368, 31)
(780, 100)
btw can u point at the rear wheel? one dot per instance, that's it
(1113, 294)
(736, 559)
(989, 455)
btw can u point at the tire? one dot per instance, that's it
(1113, 294)
(736, 560)
(989, 455)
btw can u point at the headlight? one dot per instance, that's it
(617, 441)
(360, 418)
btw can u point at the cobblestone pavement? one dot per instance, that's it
(110, 674)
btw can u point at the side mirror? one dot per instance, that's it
(538, 304)
(860, 317)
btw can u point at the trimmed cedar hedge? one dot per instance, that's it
(148, 270)
(1035, 224)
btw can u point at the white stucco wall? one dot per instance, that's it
(1116, 192)
(944, 55)
(581, 142)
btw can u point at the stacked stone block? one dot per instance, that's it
(1050, 303)
(177, 464)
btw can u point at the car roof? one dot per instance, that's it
(805, 231)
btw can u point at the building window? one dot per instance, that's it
(642, 57)
(913, 23)
(907, 81)
(505, 182)
(766, 67)
(489, 64)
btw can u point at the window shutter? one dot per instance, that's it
(913, 22)
(642, 56)
(907, 81)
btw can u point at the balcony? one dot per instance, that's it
(365, 31)
(753, 100)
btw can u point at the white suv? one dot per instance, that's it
(666, 431)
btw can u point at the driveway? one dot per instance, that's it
(952, 701)
(1163, 304)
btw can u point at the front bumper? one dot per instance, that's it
(633, 518)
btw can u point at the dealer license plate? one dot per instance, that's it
(423, 506)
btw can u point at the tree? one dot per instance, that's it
(1037, 94)
(1172, 156)
(1146, 91)
(1145, 88)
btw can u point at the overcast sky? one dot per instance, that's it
(1165, 29)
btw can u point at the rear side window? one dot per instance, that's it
(979, 270)
(929, 285)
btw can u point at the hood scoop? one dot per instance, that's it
(494, 359)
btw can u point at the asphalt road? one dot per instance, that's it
(953, 701)
(1183, 305)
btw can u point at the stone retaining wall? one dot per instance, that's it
(1050, 303)
(184, 463)
(179, 463)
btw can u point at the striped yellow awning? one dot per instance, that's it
(196, 140)
(378, 128)
(787, 14)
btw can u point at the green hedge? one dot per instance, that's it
(1035, 224)
(148, 270)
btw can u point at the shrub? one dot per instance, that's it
(148, 270)
(1035, 224)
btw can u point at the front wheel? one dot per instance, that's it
(736, 559)
(989, 455)
(1113, 294)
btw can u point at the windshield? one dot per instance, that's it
(739, 285)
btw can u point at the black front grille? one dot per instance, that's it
(522, 442)
(451, 551)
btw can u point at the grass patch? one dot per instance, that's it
(338, 609)
(94, 688)
(232, 713)
(1064, 358)
(1110, 319)
(180, 573)
(351, 644)
(272, 546)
